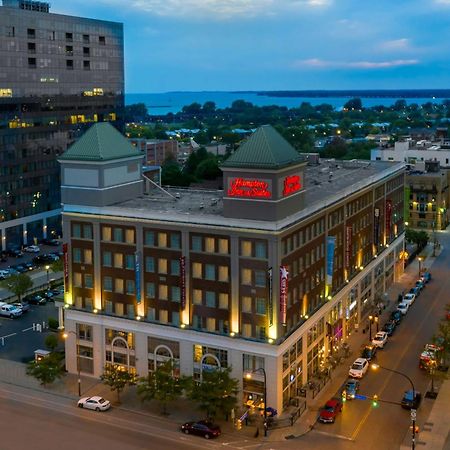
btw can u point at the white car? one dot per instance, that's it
(32, 249)
(409, 298)
(359, 368)
(380, 339)
(403, 308)
(96, 403)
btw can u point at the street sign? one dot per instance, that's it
(413, 414)
(361, 397)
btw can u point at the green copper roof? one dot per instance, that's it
(101, 142)
(264, 149)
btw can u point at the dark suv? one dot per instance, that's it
(396, 316)
(369, 352)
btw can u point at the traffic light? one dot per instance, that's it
(375, 401)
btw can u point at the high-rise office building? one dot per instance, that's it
(59, 74)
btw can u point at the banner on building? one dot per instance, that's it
(66, 267)
(270, 301)
(376, 226)
(283, 293)
(388, 219)
(348, 245)
(331, 244)
(137, 275)
(183, 281)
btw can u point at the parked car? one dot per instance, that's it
(369, 352)
(50, 294)
(359, 368)
(43, 259)
(430, 354)
(411, 400)
(203, 428)
(389, 327)
(396, 316)
(414, 290)
(409, 298)
(32, 249)
(420, 283)
(380, 339)
(14, 252)
(8, 310)
(20, 268)
(51, 242)
(427, 276)
(96, 403)
(4, 274)
(403, 307)
(35, 299)
(351, 388)
(29, 265)
(24, 306)
(329, 412)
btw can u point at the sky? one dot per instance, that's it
(232, 45)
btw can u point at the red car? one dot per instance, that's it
(201, 428)
(329, 412)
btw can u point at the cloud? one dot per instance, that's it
(220, 9)
(319, 63)
(396, 44)
(442, 2)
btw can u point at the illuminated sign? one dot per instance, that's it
(283, 293)
(376, 226)
(137, 273)
(183, 281)
(348, 246)
(270, 276)
(241, 187)
(291, 184)
(388, 218)
(66, 267)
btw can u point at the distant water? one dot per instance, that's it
(160, 104)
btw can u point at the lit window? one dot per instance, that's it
(77, 279)
(118, 260)
(209, 245)
(163, 316)
(246, 275)
(6, 92)
(87, 256)
(210, 324)
(162, 292)
(223, 300)
(162, 265)
(197, 297)
(196, 270)
(162, 240)
(246, 248)
(118, 285)
(106, 233)
(246, 304)
(223, 273)
(223, 246)
(129, 236)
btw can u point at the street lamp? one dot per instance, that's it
(65, 336)
(419, 258)
(249, 376)
(370, 327)
(413, 411)
(377, 321)
(47, 268)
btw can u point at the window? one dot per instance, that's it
(197, 297)
(162, 265)
(223, 246)
(175, 240)
(260, 250)
(32, 63)
(107, 284)
(223, 273)
(69, 64)
(130, 310)
(129, 262)
(151, 314)
(210, 272)
(77, 279)
(118, 260)
(175, 267)
(210, 324)
(246, 275)
(175, 318)
(246, 304)
(118, 309)
(87, 256)
(76, 230)
(260, 278)
(87, 231)
(69, 37)
(210, 299)
(176, 294)
(163, 292)
(76, 255)
(260, 305)
(118, 235)
(223, 300)
(86, 51)
(107, 259)
(246, 330)
(101, 40)
(210, 245)
(31, 33)
(84, 331)
(85, 39)
(149, 264)
(118, 285)
(162, 240)
(31, 47)
(150, 290)
(129, 236)
(260, 332)
(69, 50)
(150, 238)
(246, 248)
(88, 281)
(196, 270)
(197, 243)
(163, 315)
(106, 234)
(130, 287)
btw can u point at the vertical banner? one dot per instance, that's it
(376, 226)
(183, 281)
(137, 275)
(283, 293)
(331, 244)
(388, 220)
(348, 245)
(270, 302)
(66, 267)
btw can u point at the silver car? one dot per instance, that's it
(96, 403)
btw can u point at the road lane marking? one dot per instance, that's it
(327, 433)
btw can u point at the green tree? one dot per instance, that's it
(353, 103)
(208, 169)
(51, 342)
(161, 385)
(136, 112)
(117, 378)
(48, 369)
(57, 266)
(217, 392)
(18, 284)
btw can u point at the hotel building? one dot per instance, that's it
(58, 74)
(273, 272)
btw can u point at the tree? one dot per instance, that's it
(117, 378)
(136, 112)
(208, 169)
(51, 342)
(353, 103)
(48, 369)
(57, 266)
(217, 392)
(18, 284)
(161, 385)
(420, 238)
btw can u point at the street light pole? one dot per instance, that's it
(413, 411)
(77, 349)
(47, 268)
(419, 258)
(370, 327)
(261, 369)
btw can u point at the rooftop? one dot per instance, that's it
(325, 184)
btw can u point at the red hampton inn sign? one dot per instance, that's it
(291, 184)
(244, 187)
